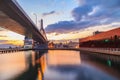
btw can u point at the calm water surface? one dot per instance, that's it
(52, 65)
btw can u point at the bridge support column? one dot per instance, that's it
(28, 42)
(41, 46)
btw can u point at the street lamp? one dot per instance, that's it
(35, 18)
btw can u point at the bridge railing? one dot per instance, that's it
(17, 4)
(7, 50)
(114, 51)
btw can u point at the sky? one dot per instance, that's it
(73, 19)
(9, 38)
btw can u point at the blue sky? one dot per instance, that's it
(61, 9)
(73, 19)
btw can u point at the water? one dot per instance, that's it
(53, 65)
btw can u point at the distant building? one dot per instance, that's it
(64, 44)
(51, 45)
(73, 44)
(97, 32)
(59, 45)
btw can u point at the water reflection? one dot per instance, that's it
(66, 65)
(59, 57)
(36, 66)
(49, 65)
(11, 65)
(28, 65)
(41, 63)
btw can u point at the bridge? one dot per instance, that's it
(14, 18)
(106, 53)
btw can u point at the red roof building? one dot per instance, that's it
(112, 36)
(103, 35)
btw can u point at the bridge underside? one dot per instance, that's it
(8, 23)
(12, 17)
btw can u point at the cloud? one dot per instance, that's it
(3, 41)
(68, 26)
(89, 13)
(49, 13)
(80, 2)
(81, 11)
(98, 8)
(105, 3)
(3, 36)
(61, 27)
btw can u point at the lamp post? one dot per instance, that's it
(35, 18)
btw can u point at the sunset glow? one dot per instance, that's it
(76, 21)
(12, 38)
(16, 42)
(82, 33)
(61, 58)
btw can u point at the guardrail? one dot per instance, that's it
(13, 50)
(113, 51)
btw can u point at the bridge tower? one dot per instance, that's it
(41, 25)
(41, 45)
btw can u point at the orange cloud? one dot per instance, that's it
(15, 42)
